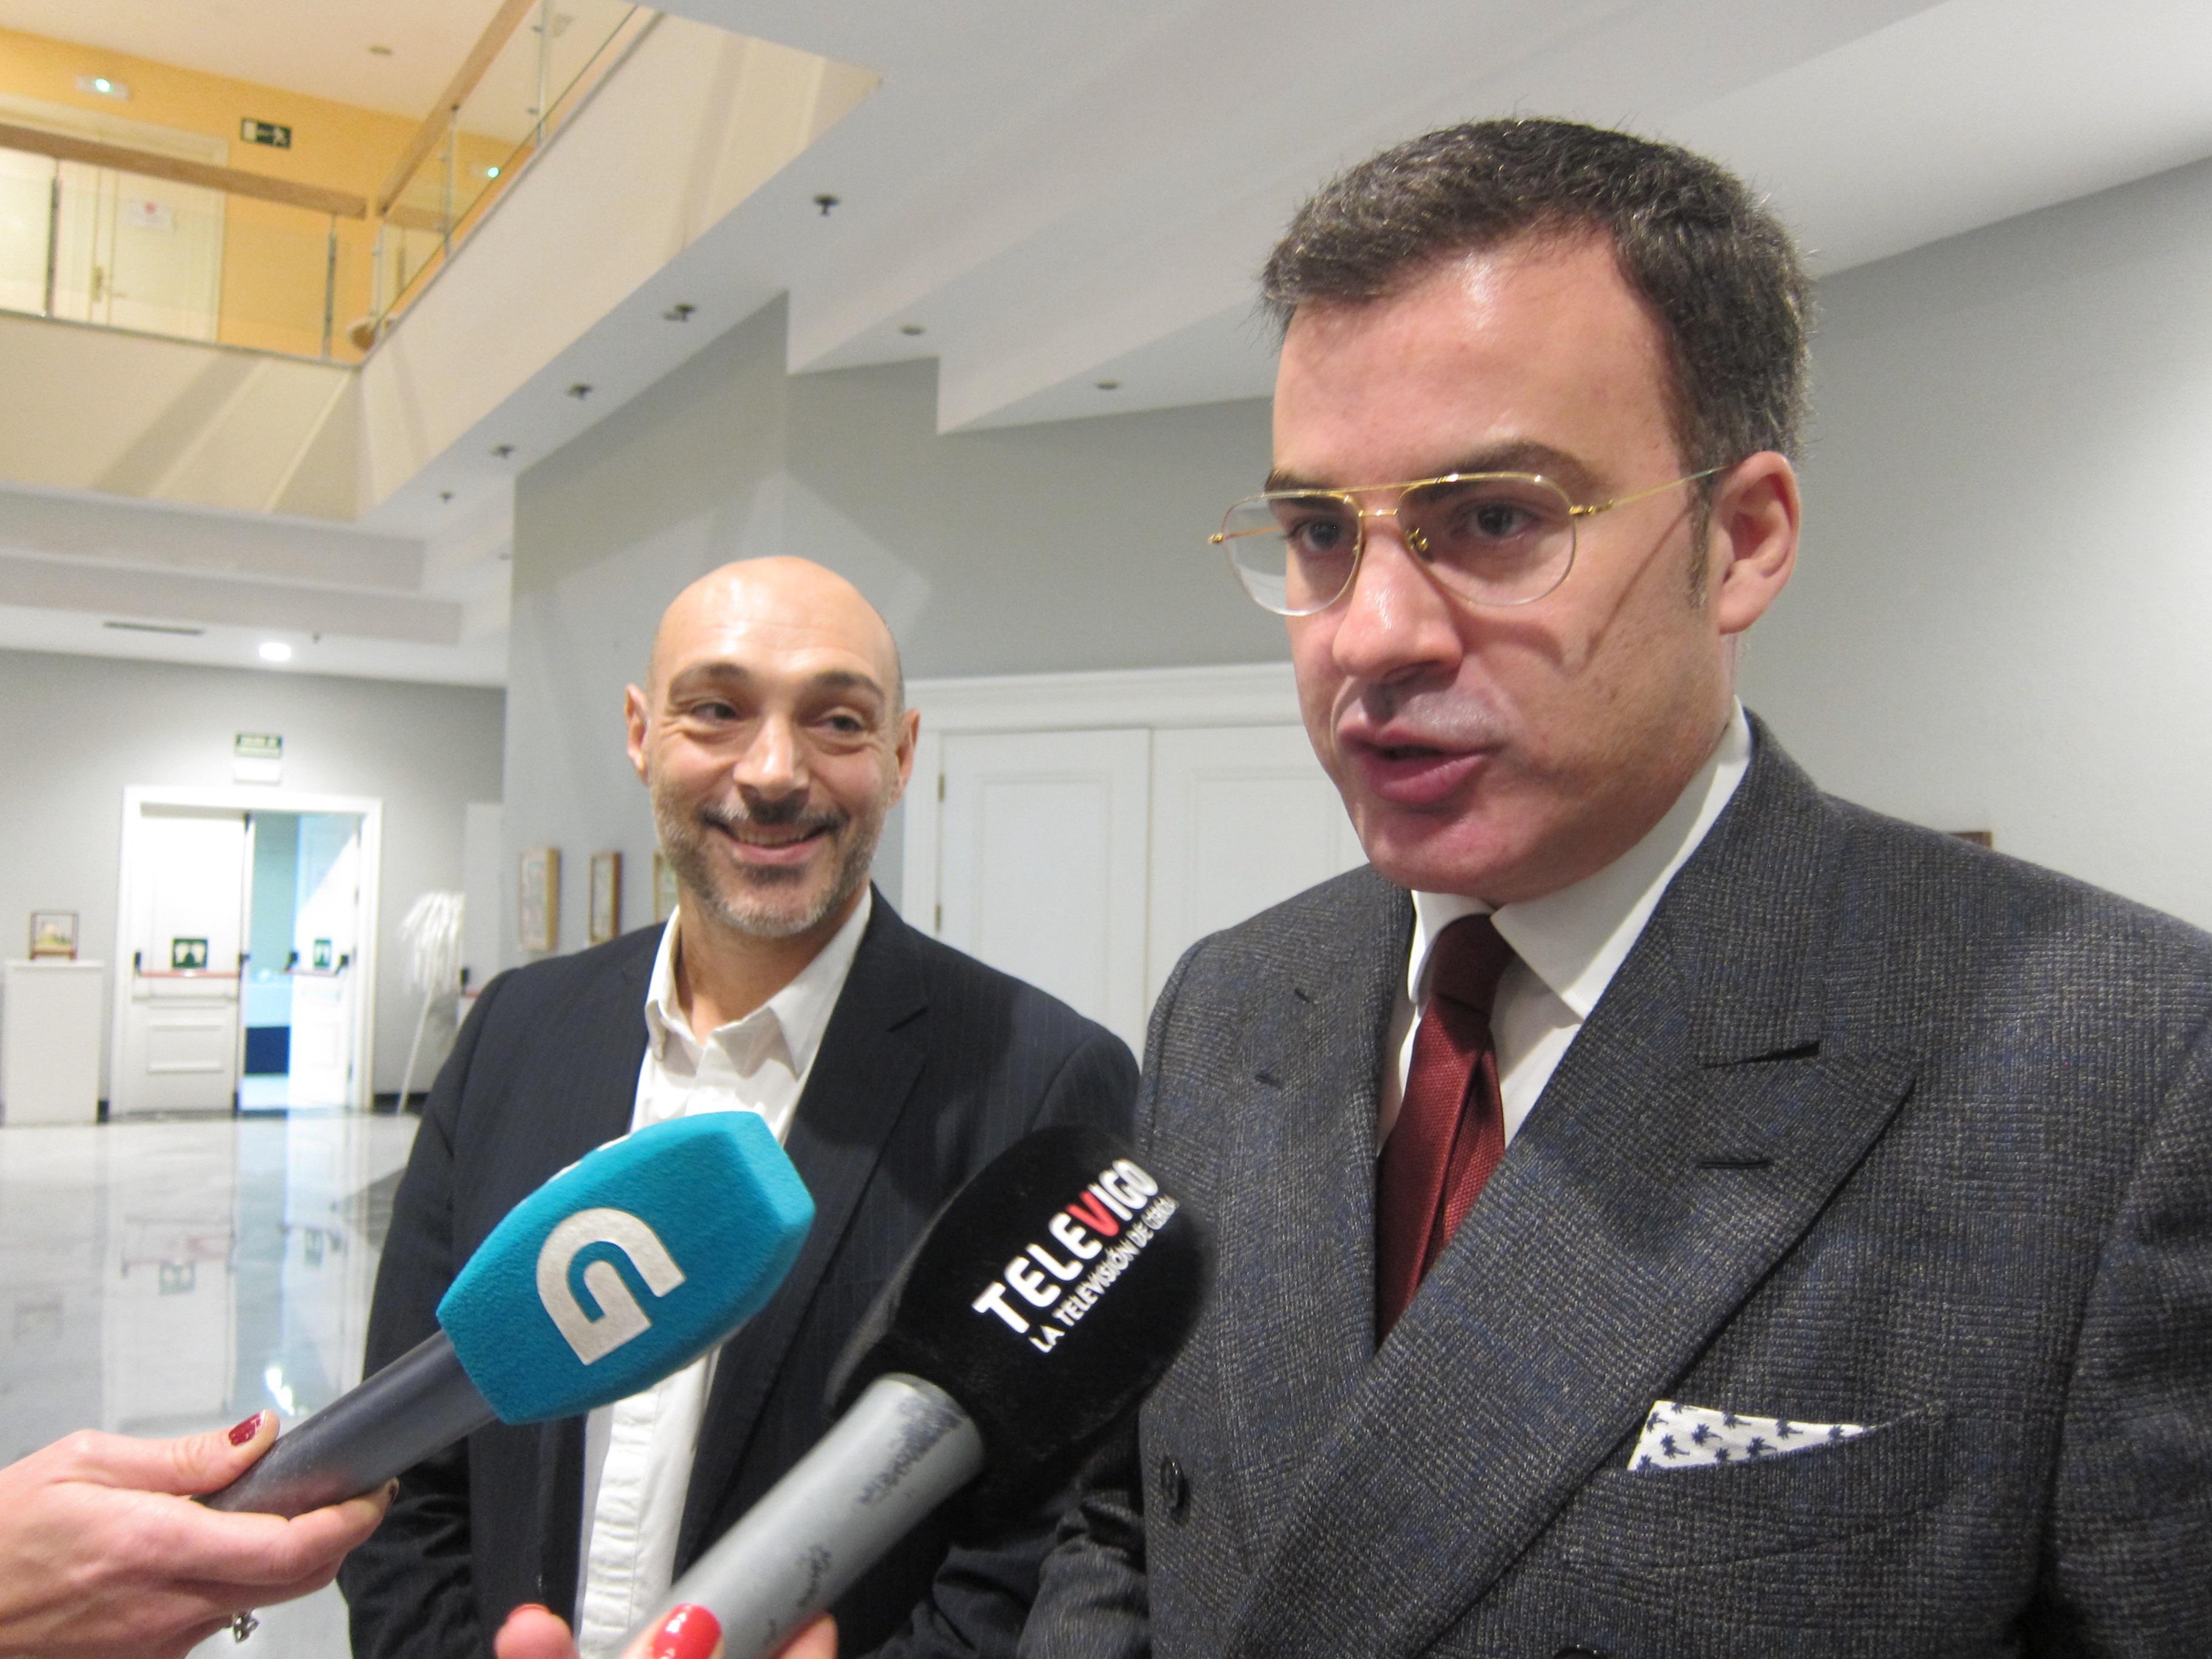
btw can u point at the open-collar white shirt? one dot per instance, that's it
(638, 1452)
(1567, 945)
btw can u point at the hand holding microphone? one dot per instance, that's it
(699, 1219)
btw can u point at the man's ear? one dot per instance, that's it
(909, 728)
(635, 717)
(1752, 543)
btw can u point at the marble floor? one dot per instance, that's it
(162, 1277)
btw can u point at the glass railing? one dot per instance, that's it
(531, 85)
(99, 233)
(85, 238)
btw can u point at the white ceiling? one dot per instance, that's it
(1061, 195)
(316, 46)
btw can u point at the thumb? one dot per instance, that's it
(198, 1463)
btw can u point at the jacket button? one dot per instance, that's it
(1174, 1489)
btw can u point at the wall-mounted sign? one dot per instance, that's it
(274, 134)
(256, 757)
(188, 953)
(320, 956)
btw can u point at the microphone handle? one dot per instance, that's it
(903, 1449)
(419, 1404)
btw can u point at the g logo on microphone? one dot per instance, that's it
(620, 1319)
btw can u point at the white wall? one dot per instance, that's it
(2000, 617)
(78, 730)
(1080, 545)
(1998, 622)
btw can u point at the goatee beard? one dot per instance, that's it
(732, 901)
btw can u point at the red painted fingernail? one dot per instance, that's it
(245, 1431)
(689, 1632)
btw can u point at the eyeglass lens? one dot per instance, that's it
(1503, 540)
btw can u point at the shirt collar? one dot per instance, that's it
(1575, 941)
(795, 1016)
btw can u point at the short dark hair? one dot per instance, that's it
(1718, 270)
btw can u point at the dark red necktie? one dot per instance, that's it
(1450, 1131)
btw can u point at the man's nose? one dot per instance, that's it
(773, 763)
(1396, 620)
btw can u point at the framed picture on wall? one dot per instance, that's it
(53, 933)
(606, 896)
(664, 887)
(537, 907)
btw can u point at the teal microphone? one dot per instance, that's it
(627, 1266)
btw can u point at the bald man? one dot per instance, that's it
(773, 737)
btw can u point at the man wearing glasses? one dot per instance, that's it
(1663, 1211)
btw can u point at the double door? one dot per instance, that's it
(1087, 861)
(242, 974)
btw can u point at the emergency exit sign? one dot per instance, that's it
(272, 133)
(256, 757)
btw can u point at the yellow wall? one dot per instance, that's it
(274, 256)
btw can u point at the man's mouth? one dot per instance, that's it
(1402, 772)
(772, 844)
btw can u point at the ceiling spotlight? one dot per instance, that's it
(825, 203)
(580, 390)
(679, 312)
(100, 86)
(502, 450)
(1110, 386)
(491, 172)
(275, 651)
(445, 494)
(910, 329)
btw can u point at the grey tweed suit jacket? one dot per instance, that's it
(1872, 1127)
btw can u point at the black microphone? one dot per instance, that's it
(1037, 1310)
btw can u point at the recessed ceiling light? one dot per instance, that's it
(911, 329)
(100, 86)
(825, 203)
(491, 172)
(445, 494)
(580, 390)
(502, 450)
(379, 51)
(275, 651)
(679, 312)
(1110, 386)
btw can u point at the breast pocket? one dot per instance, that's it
(1663, 1523)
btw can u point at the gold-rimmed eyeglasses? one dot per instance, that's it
(1490, 537)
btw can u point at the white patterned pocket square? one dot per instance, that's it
(1677, 1436)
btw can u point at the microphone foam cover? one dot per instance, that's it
(1048, 1296)
(628, 1265)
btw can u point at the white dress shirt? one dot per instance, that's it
(637, 1452)
(1567, 945)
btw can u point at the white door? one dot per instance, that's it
(1243, 817)
(184, 890)
(136, 252)
(26, 185)
(326, 984)
(1042, 863)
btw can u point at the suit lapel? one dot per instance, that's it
(862, 1076)
(1295, 1272)
(598, 1062)
(1694, 1130)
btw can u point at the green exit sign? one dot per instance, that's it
(265, 132)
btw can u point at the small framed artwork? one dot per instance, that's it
(537, 907)
(664, 887)
(606, 896)
(53, 933)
